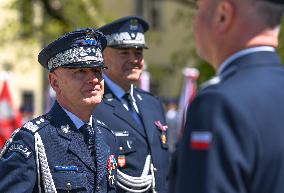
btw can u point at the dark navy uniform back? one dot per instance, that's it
(241, 130)
(232, 140)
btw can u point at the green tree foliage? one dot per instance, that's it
(186, 55)
(281, 43)
(48, 19)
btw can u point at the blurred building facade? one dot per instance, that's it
(27, 79)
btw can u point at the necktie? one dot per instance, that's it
(89, 137)
(133, 111)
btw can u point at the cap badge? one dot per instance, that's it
(133, 24)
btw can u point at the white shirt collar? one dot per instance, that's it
(243, 53)
(76, 120)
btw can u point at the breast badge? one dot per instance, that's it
(163, 129)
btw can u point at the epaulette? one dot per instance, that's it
(139, 90)
(143, 91)
(35, 124)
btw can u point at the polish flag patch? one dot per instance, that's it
(200, 140)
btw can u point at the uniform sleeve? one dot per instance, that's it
(218, 148)
(17, 165)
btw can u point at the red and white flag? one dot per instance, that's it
(200, 140)
(187, 94)
(144, 81)
(10, 118)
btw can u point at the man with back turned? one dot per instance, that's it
(233, 138)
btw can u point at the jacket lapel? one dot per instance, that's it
(146, 116)
(120, 112)
(66, 129)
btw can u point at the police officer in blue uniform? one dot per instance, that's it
(67, 149)
(137, 117)
(233, 138)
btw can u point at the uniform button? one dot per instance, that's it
(120, 148)
(68, 186)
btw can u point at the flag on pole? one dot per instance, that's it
(50, 97)
(145, 80)
(188, 92)
(10, 118)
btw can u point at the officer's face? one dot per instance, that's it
(77, 87)
(203, 27)
(124, 65)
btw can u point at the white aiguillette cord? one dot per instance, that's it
(133, 99)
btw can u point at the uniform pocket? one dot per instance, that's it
(126, 143)
(70, 181)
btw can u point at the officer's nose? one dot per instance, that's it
(133, 58)
(94, 76)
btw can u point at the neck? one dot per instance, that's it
(268, 38)
(83, 113)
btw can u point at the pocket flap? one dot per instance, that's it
(69, 180)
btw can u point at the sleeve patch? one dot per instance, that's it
(20, 148)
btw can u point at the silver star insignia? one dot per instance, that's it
(65, 128)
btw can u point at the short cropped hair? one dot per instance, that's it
(271, 14)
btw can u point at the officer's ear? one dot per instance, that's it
(224, 16)
(53, 81)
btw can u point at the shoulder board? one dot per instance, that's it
(35, 124)
(213, 81)
(141, 92)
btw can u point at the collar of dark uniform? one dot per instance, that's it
(115, 88)
(226, 64)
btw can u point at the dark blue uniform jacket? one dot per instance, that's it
(71, 165)
(136, 142)
(233, 139)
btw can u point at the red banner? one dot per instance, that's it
(10, 118)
